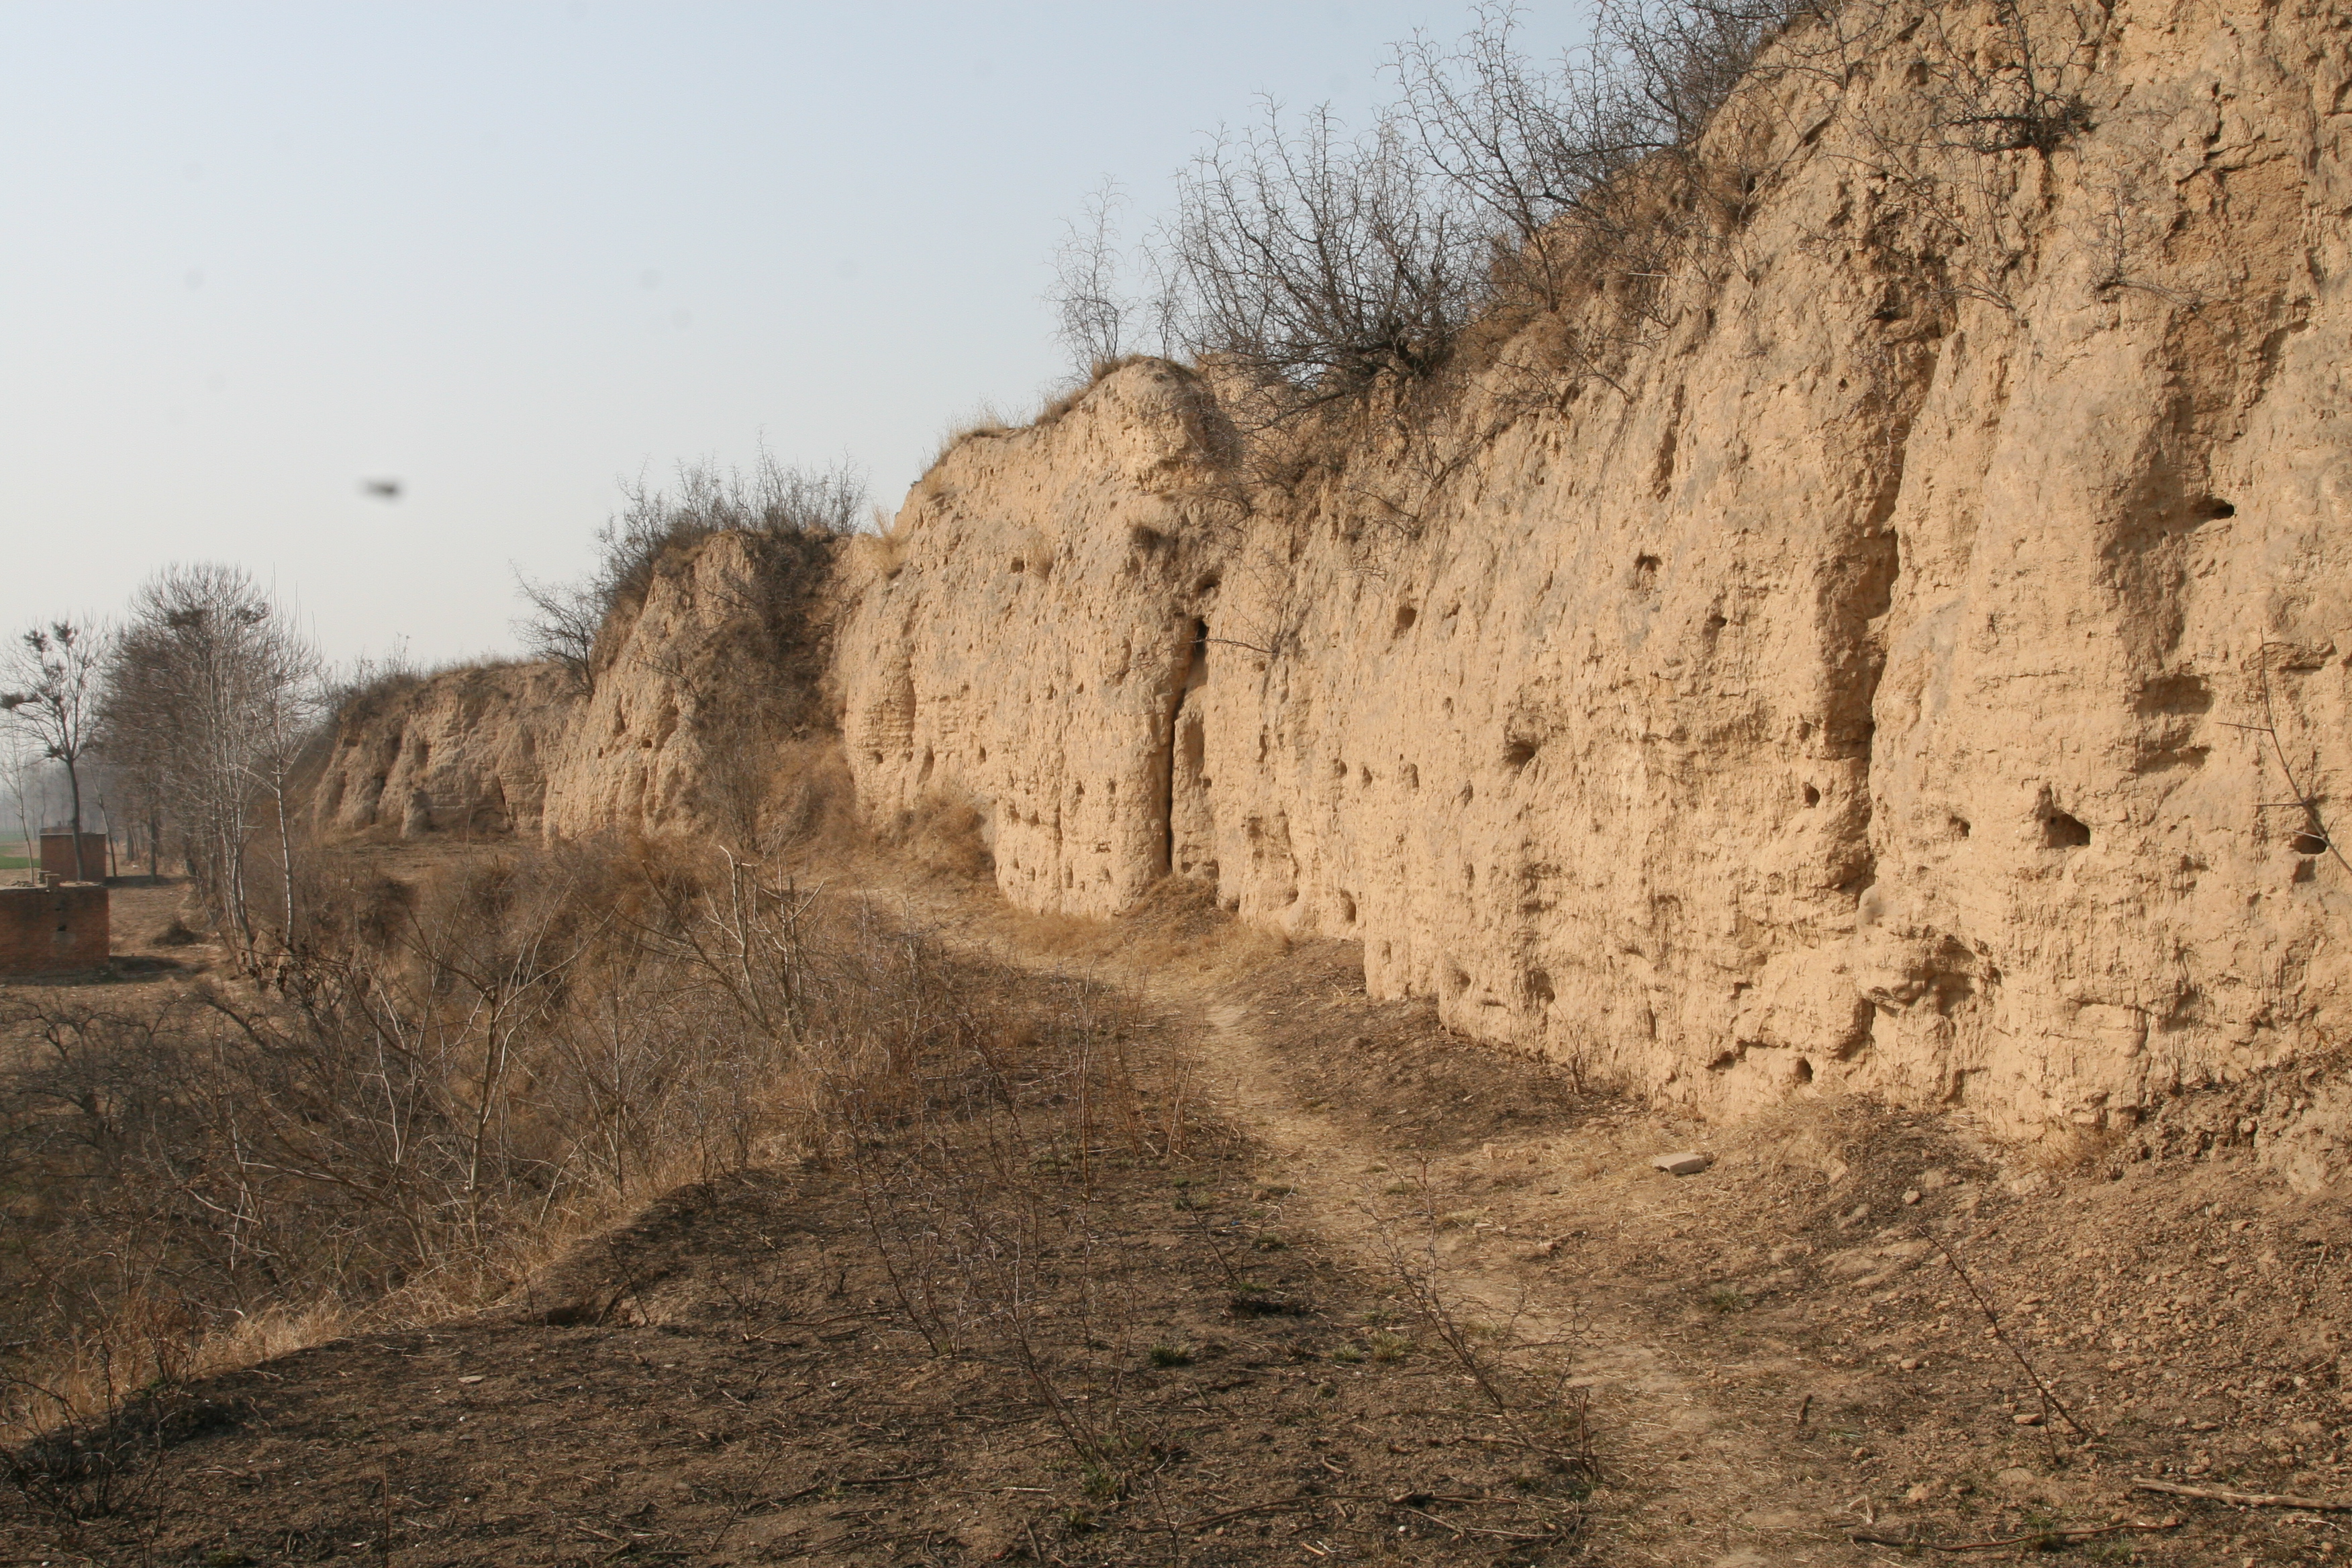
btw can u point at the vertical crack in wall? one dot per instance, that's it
(1861, 596)
(1178, 787)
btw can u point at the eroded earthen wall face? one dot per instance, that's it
(1847, 689)
(466, 751)
(678, 730)
(1028, 653)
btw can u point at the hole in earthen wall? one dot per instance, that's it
(2175, 694)
(2060, 831)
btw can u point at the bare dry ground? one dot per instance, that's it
(1375, 1302)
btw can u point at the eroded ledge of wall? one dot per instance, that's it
(1845, 691)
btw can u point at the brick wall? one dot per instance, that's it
(57, 857)
(49, 930)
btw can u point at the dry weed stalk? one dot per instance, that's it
(442, 1091)
(1542, 1409)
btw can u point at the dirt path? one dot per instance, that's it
(1782, 1359)
(1703, 1453)
(1665, 1412)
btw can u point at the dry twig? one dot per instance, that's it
(2050, 1400)
(2038, 1538)
(2244, 1500)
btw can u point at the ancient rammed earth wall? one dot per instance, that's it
(637, 758)
(1846, 689)
(695, 687)
(464, 751)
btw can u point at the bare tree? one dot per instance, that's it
(209, 695)
(1319, 260)
(19, 774)
(561, 624)
(1091, 307)
(1323, 262)
(54, 679)
(1539, 150)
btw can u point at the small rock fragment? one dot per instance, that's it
(1689, 1162)
(1910, 1196)
(2028, 1419)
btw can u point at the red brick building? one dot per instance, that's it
(53, 931)
(57, 857)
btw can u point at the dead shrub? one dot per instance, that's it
(811, 797)
(804, 510)
(945, 837)
(451, 1080)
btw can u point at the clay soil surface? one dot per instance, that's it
(1389, 1297)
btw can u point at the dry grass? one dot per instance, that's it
(452, 1084)
(984, 423)
(1058, 404)
(1176, 929)
(943, 837)
(882, 553)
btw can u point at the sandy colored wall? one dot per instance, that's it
(697, 687)
(1845, 690)
(465, 751)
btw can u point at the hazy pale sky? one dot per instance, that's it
(253, 254)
